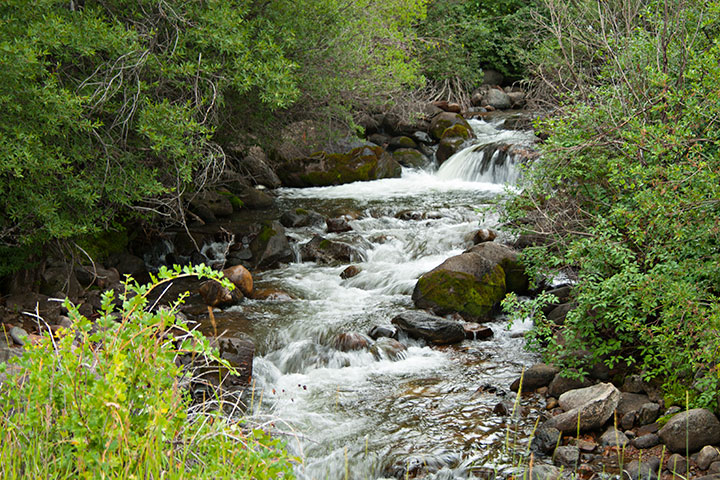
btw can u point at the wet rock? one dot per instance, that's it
(516, 279)
(546, 439)
(646, 441)
(411, 158)
(389, 348)
(613, 438)
(698, 427)
(677, 463)
(645, 429)
(350, 341)
(321, 250)
(383, 331)
(350, 272)
(19, 335)
(408, 215)
(714, 468)
(706, 456)
(586, 408)
(567, 456)
(645, 470)
(214, 380)
(445, 120)
(539, 375)
(429, 327)
(379, 139)
(215, 295)
(475, 331)
(401, 142)
(338, 225)
(497, 99)
(560, 385)
(448, 147)
(467, 284)
(271, 295)
(484, 235)
(218, 205)
(301, 218)
(241, 278)
(557, 315)
(323, 169)
(128, 264)
(270, 247)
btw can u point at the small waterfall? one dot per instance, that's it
(494, 157)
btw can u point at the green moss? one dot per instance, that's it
(235, 201)
(301, 211)
(104, 244)
(457, 130)
(324, 244)
(516, 280)
(266, 234)
(447, 292)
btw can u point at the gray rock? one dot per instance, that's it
(545, 472)
(19, 335)
(255, 165)
(706, 456)
(270, 247)
(383, 331)
(337, 225)
(628, 420)
(567, 456)
(557, 315)
(634, 384)
(714, 468)
(301, 218)
(647, 470)
(648, 413)
(497, 99)
(698, 427)
(539, 375)
(613, 438)
(561, 384)
(322, 250)
(590, 406)
(429, 327)
(677, 463)
(546, 439)
(646, 441)
(631, 402)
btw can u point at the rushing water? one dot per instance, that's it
(362, 415)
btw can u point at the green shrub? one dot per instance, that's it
(105, 400)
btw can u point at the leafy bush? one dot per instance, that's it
(628, 190)
(105, 400)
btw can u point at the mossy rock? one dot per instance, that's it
(411, 158)
(448, 147)
(235, 201)
(516, 280)
(466, 284)
(270, 247)
(445, 120)
(401, 142)
(324, 169)
(102, 245)
(457, 130)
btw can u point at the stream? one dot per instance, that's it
(365, 414)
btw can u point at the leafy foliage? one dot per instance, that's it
(627, 191)
(105, 400)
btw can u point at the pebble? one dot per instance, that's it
(646, 441)
(613, 438)
(19, 335)
(567, 456)
(677, 463)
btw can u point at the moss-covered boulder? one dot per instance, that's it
(448, 147)
(410, 158)
(445, 120)
(516, 280)
(457, 130)
(322, 250)
(323, 169)
(270, 246)
(467, 284)
(401, 142)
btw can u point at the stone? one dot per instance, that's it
(628, 420)
(272, 295)
(322, 250)
(545, 439)
(560, 385)
(585, 445)
(467, 284)
(557, 315)
(301, 218)
(538, 375)
(492, 77)
(270, 247)
(256, 168)
(445, 120)
(475, 331)
(517, 99)
(497, 99)
(402, 141)
(567, 456)
(448, 147)
(613, 438)
(347, 342)
(215, 295)
(19, 335)
(60, 279)
(388, 348)
(707, 455)
(241, 278)
(219, 205)
(647, 470)
(646, 441)
(383, 331)
(337, 225)
(714, 468)
(634, 384)
(484, 235)
(516, 280)
(410, 158)
(677, 463)
(648, 413)
(699, 427)
(631, 402)
(350, 272)
(545, 472)
(429, 327)
(650, 428)
(586, 408)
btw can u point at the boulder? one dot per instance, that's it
(644, 442)
(301, 218)
(585, 408)
(677, 463)
(350, 272)
(567, 456)
(561, 384)
(54, 280)
(241, 278)
(243, 194)
(546, 439)
(475, 331)
(322, 250)
(383, 331)
(497, 99)
(484, 235)
(614, 438)
(448, 147)
(545, 472)
(517, 99)
(429, 327)
(256, 167)
(706, 456)
(410, 158)
(401, 142)
(445, 120)
(270, 246)
(219, 205)
(645, 470)
(337, 225)
(388, 348)
(557, 315)
(347, 342)
(363, 163)
(215, 295)
(698, 427)
(492, 77)
(538, 375)
(467, 284)
(516, 280)
(630, 402)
